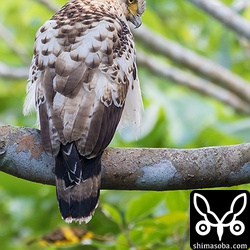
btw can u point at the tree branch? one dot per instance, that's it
(198, 64)
(194, 82)
(9, 38)
(50, 5)
(13, 72)
(21, 155)
(225, 15)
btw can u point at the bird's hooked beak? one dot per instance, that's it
(136, 20)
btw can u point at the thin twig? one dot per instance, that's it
(225, 15)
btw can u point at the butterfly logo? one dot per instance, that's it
(229, 219)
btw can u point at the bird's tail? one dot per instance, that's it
(78, 181)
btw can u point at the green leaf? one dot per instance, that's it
(112, 213)
(172, 218)
(143, 206)
(182, 197)
(122, 242)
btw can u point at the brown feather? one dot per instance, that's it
(83, 67)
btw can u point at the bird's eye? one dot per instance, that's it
(131, 1)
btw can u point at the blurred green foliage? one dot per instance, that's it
(174, 116)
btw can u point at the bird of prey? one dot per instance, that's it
(83, 80)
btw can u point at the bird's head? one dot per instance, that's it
(135, 10)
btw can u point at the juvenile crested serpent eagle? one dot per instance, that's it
(83, 80)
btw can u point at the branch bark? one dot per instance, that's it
(21, 155)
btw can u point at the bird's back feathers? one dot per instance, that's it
(82, 76)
